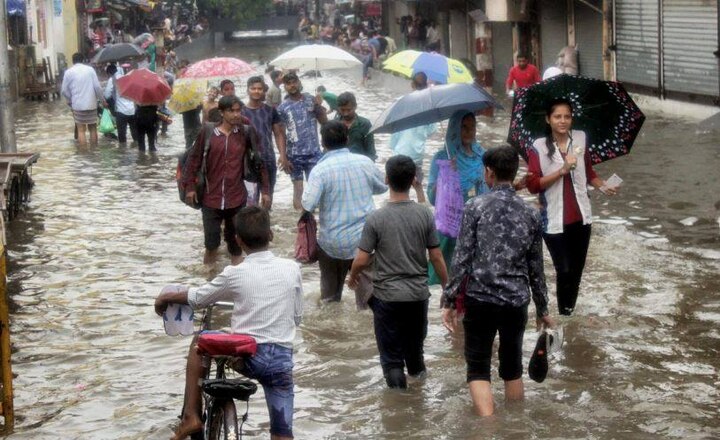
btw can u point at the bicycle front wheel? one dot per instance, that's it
(223, 421)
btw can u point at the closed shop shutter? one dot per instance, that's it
(553, 31)
(502, 54)
(588, 36)
(636, 37)
(690, 36)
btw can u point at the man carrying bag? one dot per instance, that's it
(228, 162)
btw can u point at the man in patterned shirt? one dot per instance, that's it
(341, 186)
(300, 113)
(499, 252)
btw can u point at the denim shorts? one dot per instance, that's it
(302, 165)
(272, 366)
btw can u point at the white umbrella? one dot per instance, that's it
(316, 57)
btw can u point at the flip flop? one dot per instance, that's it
(555, 341)
(538, 366)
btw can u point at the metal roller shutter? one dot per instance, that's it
(588, 36)
(553, 31)
(690, 36)
(636, 37)
(502, 54)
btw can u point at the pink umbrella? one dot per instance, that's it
(218, 68)
(144, 87)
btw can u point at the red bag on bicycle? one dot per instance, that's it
(306, 246)
(225, 344)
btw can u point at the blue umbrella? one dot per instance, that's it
(433, 104)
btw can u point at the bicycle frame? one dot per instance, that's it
(219, 413)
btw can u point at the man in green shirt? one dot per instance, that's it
(321, 94)
(359, 139)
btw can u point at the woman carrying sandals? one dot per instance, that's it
(559, 168)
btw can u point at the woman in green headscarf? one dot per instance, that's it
(465, 152)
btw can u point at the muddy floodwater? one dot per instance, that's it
(105, 230)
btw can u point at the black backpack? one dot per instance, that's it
(200, 180)
(253, 160)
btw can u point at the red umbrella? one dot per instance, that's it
(218, 68)
(144, 87)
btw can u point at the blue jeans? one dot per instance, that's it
(302, 165)
(272, 366)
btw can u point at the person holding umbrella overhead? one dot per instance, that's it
(465, 152)
(560, 168)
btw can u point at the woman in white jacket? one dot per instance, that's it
(559, 169)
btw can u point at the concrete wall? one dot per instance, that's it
(397, 9)
(458, 35)
(70, 30)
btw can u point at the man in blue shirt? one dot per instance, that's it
(341, 186)
(300, 114)
(411, 142)
(266, 121)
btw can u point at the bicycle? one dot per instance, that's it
(219, 392)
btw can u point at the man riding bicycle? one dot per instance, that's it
(267, 296)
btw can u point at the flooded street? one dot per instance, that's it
(105, 230)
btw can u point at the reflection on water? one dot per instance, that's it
(105, 231)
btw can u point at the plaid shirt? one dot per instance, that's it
(341, 186)
(500, 249)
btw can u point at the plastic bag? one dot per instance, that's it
(449, 201)
(306, 247)
(107, 125)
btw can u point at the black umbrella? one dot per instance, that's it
(602, 109)
(117, 52)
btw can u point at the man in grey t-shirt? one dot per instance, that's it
(401, 235)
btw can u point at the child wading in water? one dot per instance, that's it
(401, 235)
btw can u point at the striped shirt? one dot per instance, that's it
(267, 293)
(341, 186)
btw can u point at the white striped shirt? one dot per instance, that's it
(267, 293)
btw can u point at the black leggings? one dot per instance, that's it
(568, 251)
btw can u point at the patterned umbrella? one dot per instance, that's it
(438, 68)
(188, 94)
(218, 68)
(602, 109)
(144, 87)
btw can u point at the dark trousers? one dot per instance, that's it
(568, 251)
(217, 222)
(123, 122)
(482, 322)
(191, 135)
(332, 275)
(146, 128)
(400, 331)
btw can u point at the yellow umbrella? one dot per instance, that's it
(187, 94)
(438, 68)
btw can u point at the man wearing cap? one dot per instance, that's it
(300, 114)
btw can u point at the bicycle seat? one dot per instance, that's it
(239, 389)
(224, 344)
